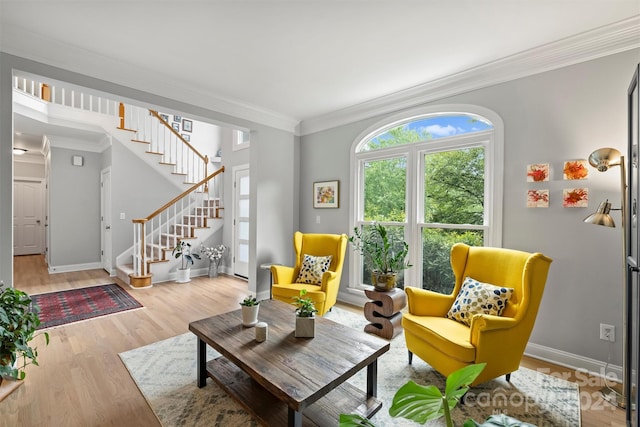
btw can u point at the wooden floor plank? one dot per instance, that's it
(82, 382)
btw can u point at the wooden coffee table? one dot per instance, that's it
(279, 379)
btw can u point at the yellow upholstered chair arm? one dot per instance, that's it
(422, 302)
(283, 274)
(329, 278)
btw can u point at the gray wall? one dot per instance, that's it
(74, 208)
(549, 118)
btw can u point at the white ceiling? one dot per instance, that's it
(296, 59)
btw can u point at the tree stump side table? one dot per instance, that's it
(384, 312)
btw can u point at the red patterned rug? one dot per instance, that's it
(62, 307)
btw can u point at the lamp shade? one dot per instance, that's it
(601, 216)
(603, 158)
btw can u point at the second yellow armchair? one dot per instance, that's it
(322, 287)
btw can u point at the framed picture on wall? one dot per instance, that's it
(176, 126)
(325, 194)
(186, 137)
(187, 125)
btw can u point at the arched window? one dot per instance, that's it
(433, 177)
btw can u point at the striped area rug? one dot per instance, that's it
(62, 307)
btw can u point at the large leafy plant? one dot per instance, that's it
(380, 249)
(425, 403)
(183, 250)
(18, 323)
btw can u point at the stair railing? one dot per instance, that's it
(155, 236)
(164, 140)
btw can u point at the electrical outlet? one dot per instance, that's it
(607, 332)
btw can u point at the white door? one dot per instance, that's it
(241, 222)
(105, 218)
(28, 217)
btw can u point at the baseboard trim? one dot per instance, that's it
(74, 267)
(574, 361)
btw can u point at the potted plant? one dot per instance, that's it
(18, 322)
(183, 251)
(426, 403)
(305, 316)
(249, 307)
(383, 252)
(214, 255)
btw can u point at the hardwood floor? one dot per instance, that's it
(82, 382)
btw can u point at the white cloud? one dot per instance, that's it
(438, 130)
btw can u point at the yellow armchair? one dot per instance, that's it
(448, 345)
(324, 293)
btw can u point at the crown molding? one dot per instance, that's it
(603, 41)
(78, 145)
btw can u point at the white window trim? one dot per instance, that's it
(235, 145)
(494, 173)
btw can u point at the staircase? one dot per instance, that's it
(193, 215)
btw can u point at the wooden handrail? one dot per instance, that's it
(178, 197)
(168, 126)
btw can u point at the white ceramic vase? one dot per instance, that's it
(250, 315)
(183, 275)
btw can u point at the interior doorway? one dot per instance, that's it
(28, 216)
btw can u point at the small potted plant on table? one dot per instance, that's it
(250, 307)
(305, 316)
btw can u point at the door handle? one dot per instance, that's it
(38, 221)
(108, 227)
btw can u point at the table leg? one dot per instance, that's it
(202, 363)
(372, 379)
(295, 418)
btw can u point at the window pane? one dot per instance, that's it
(395, 235)
(437, 275)
(427, 128)
(243, 208)
(454, 187)
(385, 184)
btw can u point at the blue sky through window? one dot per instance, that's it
(440, 126)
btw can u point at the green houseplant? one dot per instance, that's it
(426, 403)
(383, 252)
(184, 252)
(18, 322)
(250, 307)
(305, 315)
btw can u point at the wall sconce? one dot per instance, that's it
(19, 151)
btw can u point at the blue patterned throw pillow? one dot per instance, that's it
(312, 269)
(478, 298)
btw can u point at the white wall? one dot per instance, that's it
(549, 118)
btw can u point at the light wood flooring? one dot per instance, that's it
(82, 382)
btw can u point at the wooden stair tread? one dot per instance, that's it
(167, 163)
(154, 152)
(128, 130)
(140, 141)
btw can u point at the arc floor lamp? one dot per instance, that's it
(603, 159)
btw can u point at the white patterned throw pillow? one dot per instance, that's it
(312, 269)
(478, 298)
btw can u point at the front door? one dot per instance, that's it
(28, 217)
(241, 222)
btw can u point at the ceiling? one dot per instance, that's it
(296, 59)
